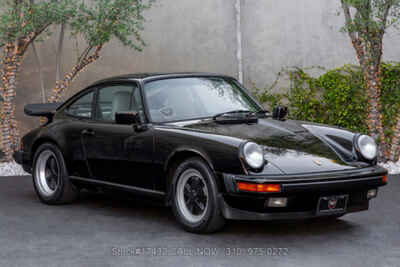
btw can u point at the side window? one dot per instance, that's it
(117, 98)
(82, 107)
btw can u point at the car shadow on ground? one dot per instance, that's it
(148, 210)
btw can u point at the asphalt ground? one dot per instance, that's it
(111, 230)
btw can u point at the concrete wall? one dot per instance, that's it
(192, 35)
(302, 33)
(182, 35)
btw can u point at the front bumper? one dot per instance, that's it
(302, 192)
(23, 159)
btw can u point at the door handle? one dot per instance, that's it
(88, 132)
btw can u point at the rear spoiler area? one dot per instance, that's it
(41, 110)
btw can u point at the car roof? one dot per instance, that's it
(158, 75)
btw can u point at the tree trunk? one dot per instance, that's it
(9, 126)
(395, 143)
(62, 85)
(371, 73)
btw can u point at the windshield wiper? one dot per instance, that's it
(236, 116)
(233, 112)
(246, 113)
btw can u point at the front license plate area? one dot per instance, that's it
(332, 204)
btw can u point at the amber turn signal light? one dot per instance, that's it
(384, 178)
(258, 187)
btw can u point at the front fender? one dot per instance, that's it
(188, 150)
(222, 154)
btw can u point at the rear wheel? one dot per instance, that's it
(50, 177)
(195, 203)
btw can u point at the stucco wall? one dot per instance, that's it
(302, 33)
(192, 35)
(182, 35)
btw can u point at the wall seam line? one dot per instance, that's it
(239, 56)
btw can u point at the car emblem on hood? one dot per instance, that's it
(319, 163)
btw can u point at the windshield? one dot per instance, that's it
(193, 98)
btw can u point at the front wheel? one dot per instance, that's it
(50, 178)
(195, 203)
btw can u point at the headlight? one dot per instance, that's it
(254, 155)
(367, 147)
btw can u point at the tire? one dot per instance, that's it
(194, 197)
(50, 176)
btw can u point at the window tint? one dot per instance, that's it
(118, 98)
(82, 107)
(191, 98)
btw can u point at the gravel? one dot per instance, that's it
(11, 169)
(392, 167)
(14, 169)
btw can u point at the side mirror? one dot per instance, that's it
(279, 113)
(127, 118)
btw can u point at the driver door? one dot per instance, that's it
(116, 153)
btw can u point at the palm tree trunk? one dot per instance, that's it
(395, 143)
(371, 73)
(9, 125)
(63, 84)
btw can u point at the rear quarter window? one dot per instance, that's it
(82, 107)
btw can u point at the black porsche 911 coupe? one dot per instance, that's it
(201, 144)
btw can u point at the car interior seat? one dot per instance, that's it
(121, 102)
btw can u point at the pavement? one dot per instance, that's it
(104, 230)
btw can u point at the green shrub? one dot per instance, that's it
(337, 97)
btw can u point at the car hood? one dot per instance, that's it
(290, 146)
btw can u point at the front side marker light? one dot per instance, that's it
(251, 187)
